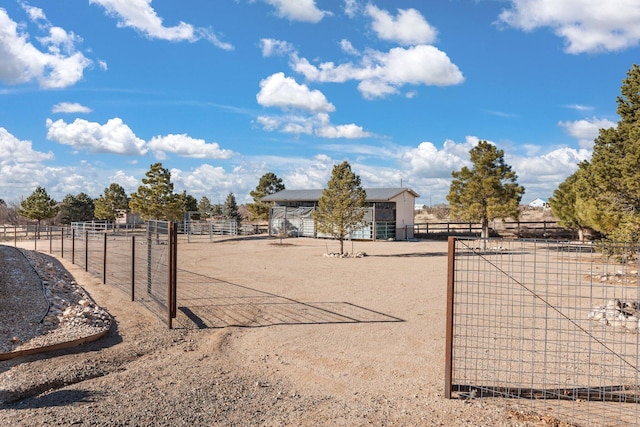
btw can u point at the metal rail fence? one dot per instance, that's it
(551, 326)
(514, 229)
(142, 263)
(198, 230)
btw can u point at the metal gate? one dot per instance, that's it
(553, 326)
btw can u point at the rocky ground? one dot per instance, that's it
(142, 374)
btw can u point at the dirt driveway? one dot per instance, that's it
(268, 334)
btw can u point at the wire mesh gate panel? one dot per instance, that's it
(551, 325)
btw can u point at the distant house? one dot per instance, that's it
(390, 213)
(538, 203)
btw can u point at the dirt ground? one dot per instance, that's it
(377, 359)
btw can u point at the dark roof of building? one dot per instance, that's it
(373, 195)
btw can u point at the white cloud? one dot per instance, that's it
(113, 137)
(540, 175)
(298, 10)
(21, 167)
(426, 160)
(13, 150)
(61, 66)
(271, 47)
(294, 124)
(408, 28)
(548, 166)
(128, 182)
(586, 130)
(350, 131)
(585, 25)
(348, 48)
(309, 173)
(186, 146)
(316, 124)
(35, 13)
(70, 107)
(427, 168)
(211, 37)
(284, 92)
(207, 180)
(351, 8)
(580, 108)
(139, 14)
(383, 73)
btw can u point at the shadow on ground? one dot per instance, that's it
(207, 302)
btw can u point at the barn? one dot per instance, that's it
(390, 213)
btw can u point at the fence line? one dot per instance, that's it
(198, 230)
(139, 261)
(517, 229)
(554, 326)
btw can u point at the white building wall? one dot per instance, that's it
(405, 205)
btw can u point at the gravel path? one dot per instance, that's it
(141, 374)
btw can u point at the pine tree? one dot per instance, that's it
(77, 208)
(155, 198)
(563, 203)
(269, 184)
(487, 191)
(341, 208)
(230, 209)
(204, 207)
(112, 203)
(190, 204)
(38, 206)
(608, 191)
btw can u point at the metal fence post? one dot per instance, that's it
(86, 250)
(62, 243)
(448, 370)
(104, 260)
(133, 268)
(73, 246)
(174, 272)
(150, 225)
(171, 288)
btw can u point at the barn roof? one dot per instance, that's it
(373, 195)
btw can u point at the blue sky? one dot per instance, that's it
(221, 92)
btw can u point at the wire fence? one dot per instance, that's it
(552, 325)
(140, 261)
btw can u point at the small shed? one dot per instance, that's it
(390, 213)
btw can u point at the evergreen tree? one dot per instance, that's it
(608, 191)
(155, 198)
(77, 208)
(38, 206)
(341, 208)
(487, 191)
(190, 204)
(564, 205)
(216, 211)
(230, 209)
(269, 184)
(204, 207)
(112, 203)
